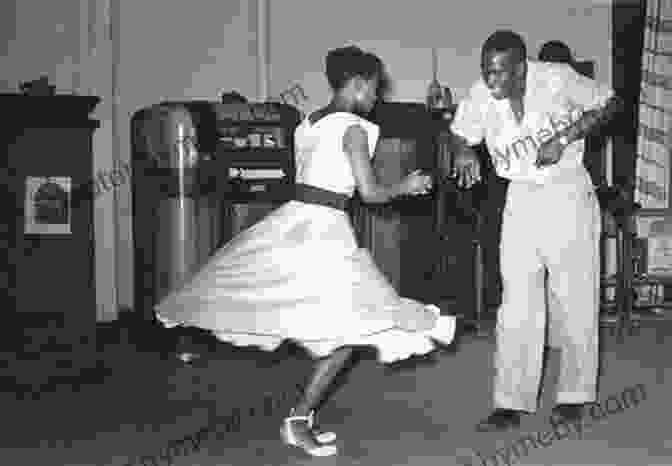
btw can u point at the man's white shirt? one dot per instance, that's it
(555, 96)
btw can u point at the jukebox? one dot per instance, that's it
(202, 171)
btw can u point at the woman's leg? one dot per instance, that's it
(318, 385)
(321, 379)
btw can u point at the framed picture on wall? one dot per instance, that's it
(48, 205)
(654, 220)
(653, 181)
(657, 233)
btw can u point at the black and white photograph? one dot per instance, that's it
(354, 232)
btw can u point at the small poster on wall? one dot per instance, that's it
(658, 234)
(48, 205)
(660, 256)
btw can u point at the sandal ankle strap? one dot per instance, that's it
(310, 419)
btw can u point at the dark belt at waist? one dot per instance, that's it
(314, 195)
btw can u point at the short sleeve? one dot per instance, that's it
(583, 91)
(469, 119)
(372, 129)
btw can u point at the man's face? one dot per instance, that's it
(502, 74)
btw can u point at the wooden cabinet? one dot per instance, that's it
(424, 245)
(401, 234)
(469, 224)
(47, 177)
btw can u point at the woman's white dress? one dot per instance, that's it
(298, 273)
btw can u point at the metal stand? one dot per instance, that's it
(625, 300)
(479, 267)
(615, 200)
(479, 276)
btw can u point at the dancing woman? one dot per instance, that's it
(298, 274)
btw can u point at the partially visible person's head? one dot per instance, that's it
(233, 97)
(504, 63)
(355, 75)
(555, 51)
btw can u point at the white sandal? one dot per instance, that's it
(321, 437)
(289, 438)
(444, 329)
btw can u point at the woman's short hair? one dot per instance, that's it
(345, 63)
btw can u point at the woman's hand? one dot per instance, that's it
(416, 183)
(414, 317)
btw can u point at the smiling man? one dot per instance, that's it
(533, 117)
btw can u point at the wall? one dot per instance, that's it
(403, 33)
(36, 44)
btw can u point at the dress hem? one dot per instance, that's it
(393, 344)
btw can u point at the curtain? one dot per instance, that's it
(654, 141)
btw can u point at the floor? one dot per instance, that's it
(142, 404)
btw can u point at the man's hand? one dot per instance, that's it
(467, 168)
(550, 153)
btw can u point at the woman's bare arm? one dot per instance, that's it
(356, 145)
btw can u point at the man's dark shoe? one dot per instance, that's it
(500, 419)
(568, 412)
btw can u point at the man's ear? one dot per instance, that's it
(521, 68)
